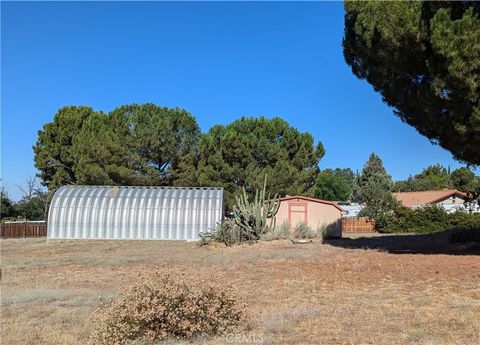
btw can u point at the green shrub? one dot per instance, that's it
(278, 232)
(167, 306)
(302, 230)
(464, 219)
(227, 231)
(420, 220)
(425, 220)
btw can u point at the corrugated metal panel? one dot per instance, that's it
(160, 213)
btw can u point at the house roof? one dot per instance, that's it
(427, 197)
(320, 201)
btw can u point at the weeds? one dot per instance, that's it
(226, 231)
(36, 295)
(278, 233)
(303, 230)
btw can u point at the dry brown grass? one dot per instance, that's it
(297, 294)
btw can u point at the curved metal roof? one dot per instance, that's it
(116, 212)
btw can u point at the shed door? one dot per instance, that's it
(297, 213)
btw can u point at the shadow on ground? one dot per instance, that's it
(435, 243)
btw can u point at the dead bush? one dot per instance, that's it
(302, 230)
(278, 232)
(167, 306)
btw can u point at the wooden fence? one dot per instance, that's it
(23, 229)
(39, 229)
(357, 225)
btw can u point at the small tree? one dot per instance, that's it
(374, 190)
(7, 208)
(331, 186)
(433, 177)
(33, 209)
(377, 197)
(33, 205)
(464, 179)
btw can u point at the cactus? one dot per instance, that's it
(257, 217)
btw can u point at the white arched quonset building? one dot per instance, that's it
(157, 213)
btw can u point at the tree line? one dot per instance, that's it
(373, 188)
(144, 144)
(31, 206)
(345, 185)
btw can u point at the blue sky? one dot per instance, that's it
(217, 60)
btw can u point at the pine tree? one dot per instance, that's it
(374, 189)
(423, 57)
(241, 153)
(53, 150)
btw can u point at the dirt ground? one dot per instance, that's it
(373, 290)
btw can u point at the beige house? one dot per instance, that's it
(316, 213)
(450, 199)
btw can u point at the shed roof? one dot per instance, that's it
(427, 197)
(306, 198)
